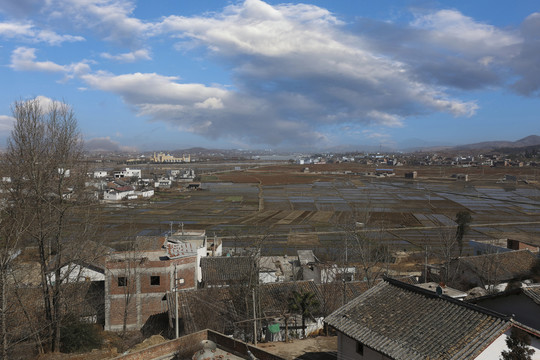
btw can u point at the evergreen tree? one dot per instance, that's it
(518, 346)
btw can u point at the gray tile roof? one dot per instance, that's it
(225, 269)
(533, 292)
(501, 266)
(405, 322)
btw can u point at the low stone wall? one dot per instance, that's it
(189, 344)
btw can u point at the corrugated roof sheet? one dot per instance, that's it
(406, 322)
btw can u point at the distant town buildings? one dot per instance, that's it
(168, 158)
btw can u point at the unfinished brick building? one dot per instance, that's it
(136, 284)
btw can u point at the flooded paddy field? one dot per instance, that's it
(312, 211)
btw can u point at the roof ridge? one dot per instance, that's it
(431, 294)
(494, 254)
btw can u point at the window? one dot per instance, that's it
(122, 281)
(359, 348)
(154, 280)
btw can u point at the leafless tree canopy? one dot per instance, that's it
(47, 200)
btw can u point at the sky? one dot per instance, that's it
(312, 75)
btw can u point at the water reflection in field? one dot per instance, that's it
(408, 215)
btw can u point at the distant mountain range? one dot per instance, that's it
(486, 146)
(532, 140)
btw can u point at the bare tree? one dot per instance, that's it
(365, 247)
(11, 230)
(447, 249)
(43, 161)
(127, 280)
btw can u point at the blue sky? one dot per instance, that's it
(172, 74)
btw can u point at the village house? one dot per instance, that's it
(486, 271)
(127, 173)
(136, 284)
(223, 271)
(140, 280)
(395, 320)
(523, 304)
(492, 246)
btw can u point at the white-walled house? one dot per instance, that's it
(395, 320)
(145, 193)
(100, 174)
(74, 272)
(127, 172)
(115, 195)
(163, 183)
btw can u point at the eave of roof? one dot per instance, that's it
(403, 321)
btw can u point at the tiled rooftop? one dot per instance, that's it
(501, 266)
(533, 292)
(222, 269)
(406, 322)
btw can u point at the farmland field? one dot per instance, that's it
(308, 210)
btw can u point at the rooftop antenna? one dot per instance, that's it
(170, 224)
(182, 223)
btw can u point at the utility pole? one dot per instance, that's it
(254, 319)
(425, 267)
(175, 304)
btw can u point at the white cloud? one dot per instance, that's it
(296, 67)
(27, 32)
(210, 103)
(370, 134)
(23, 59)
(141, 54)
(45, 102)
(453, 30)
(525, 64)
(385, 119)
(112, 19)
(6, 123)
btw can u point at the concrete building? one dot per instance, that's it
(168, 158)
(97, 174)
(116, 195)
(127, 172)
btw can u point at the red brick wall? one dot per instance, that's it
(150, 295)
(163, 286)
(114, 289)
(117, 311)
(151, 306)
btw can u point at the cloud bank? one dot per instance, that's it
(296, 69)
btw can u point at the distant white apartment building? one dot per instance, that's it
(100, 174)
(127, 172)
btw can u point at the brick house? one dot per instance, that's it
(136, 284)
